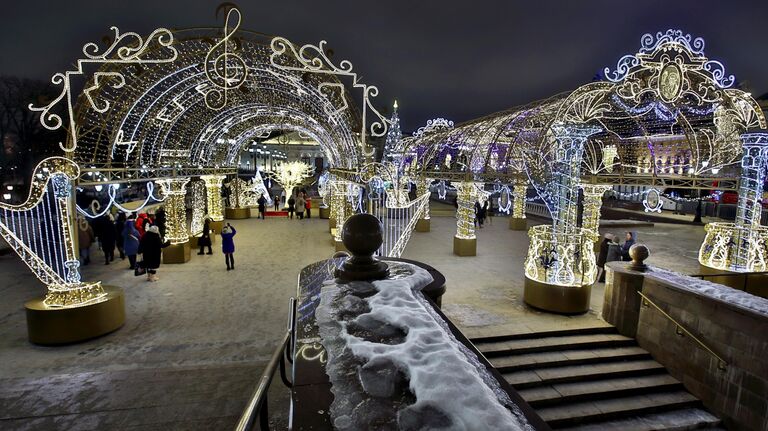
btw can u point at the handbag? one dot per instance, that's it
(139, 269)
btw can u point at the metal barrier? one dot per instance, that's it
(258, 403)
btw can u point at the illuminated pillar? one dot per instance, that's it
(339, 210)
(174, 190)
(517, 220)
(422, 187)
(465, 241)
(745, 245)
(237, 209)
(214, 200)
(593, 202)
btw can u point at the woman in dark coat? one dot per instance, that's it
(291, 206)
(631, 239)
(151, 249)
(205, 238)
(106, 231)
(602, 256)
(119, 226)
(262, 201)
(228, 245)
(131, 241)
(160, 221)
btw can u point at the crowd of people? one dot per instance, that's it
(611, 250)
(299, 203)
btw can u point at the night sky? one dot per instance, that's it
(453, 59)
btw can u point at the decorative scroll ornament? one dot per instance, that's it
(126, 48)
(313, 59)
(652, 201)
(435, 125)
(223, 68)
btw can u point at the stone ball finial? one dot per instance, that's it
(362, 235)
(638, 253)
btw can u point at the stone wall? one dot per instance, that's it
(731, 323)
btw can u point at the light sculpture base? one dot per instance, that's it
(331, 224)
(339, 246)
(518, 223)
(237, 213)
(464, 246)
(216, 226)
(177, 253)
(755, 284)
(325, 212)
(422, 225)
(556, 298)
(53, 326)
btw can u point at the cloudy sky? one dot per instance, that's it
(455, 59)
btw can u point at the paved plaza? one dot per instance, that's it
(195, 342)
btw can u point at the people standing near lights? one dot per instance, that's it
(477, 212)
(291, 206)
(160, 221)
(205, 238)
(300, 206)
(106, 231)
(141, 222)
(482, 212)
(228, 245)
(262, 206)
(130, 237)
(150, 247)
(602, 256)
(308, 205)
(631, 239)
(84, 240)
(119, 226)
(277, 201)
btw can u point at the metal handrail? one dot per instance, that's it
(680, 330)
(258, 403)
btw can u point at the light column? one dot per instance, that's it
(237, 209)
(740, 247)
(214, 201)
(174, 190)
(339, 211)
(422, 187)
(560, 266)
(517, 220)
(593, 202)
(465, 241)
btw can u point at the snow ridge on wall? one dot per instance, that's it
(394, 364)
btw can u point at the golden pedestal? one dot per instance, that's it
(216, 226)
(331, 224)
(237, 213)
(555, 298)
(755, 284)
(422, 225)
(464, 247)
(177, 253)
(518, 223)
(325, 212)
(51, 326)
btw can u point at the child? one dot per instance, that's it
(228, 245)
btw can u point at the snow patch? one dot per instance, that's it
(406, 371)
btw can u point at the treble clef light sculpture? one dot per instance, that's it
(224, 69)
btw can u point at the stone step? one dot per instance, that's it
(572, 414)
(545, 334)
(544, 396)
(567, 357)
(547, 376)
(675, 420)
(548, 344)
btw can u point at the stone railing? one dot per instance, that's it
(712, 338)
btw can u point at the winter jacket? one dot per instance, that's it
(130, 239)
(308, 203)
(119, 226)
(291, 203)
(151, 247)
(262, 203)
(629, 243)
(300, 204)
(85, 236)
(227, 241)
(106, 231)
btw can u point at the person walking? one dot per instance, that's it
(277, 201)
(602, 256)
(262, 206)
(107, 237)
(291, 206)
(228, 245)
(119, 226)
(84, 240)
(482, 211)
(308, 205)
(151, 248)
(205, 238)
(300, 206)
(130, 237)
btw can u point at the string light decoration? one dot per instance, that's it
(215, 206)
(466, 195)
(292, 174)
(98, 210)
(593, 201)
(519, 191)
(39, 230)
(175, 189)
(199, 213)
(239, 193)
(423, 187)
(393, 149)
(742, 246)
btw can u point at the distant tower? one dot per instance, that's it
(394, 136)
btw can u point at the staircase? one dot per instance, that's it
(594, 379)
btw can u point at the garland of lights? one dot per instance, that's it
(176, 215)
(198, 191)
(111, 193)
(213, 196)
(292, 174)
